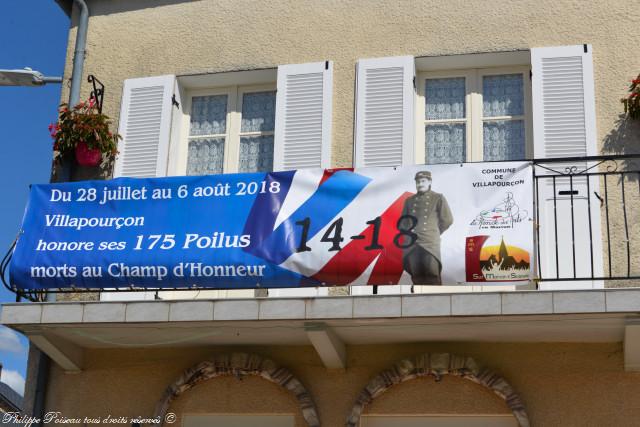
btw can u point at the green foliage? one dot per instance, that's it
(632, 100)
(82, 123)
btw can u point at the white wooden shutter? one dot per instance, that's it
(303, 116)
(564, 126)
(385, 98)
(175, 152)
(145, 126)
(564, 118)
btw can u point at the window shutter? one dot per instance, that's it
(564, 126)
(564, 119)
(303, 116)
(145, 126)
(385, 98)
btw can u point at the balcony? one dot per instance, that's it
(586, 227)
(587, 232)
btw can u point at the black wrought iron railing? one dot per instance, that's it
(587, 218)
(587, 225)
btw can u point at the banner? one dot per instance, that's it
(424, 224)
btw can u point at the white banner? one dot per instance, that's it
(463, 223)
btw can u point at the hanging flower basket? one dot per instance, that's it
(83, 132)
(86, 156)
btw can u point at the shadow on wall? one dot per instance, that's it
(69, 171)
(624, 138)
(108, 7)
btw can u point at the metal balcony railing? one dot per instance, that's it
(587, 225)
(587, 218)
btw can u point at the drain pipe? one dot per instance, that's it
(42, 377)
(65, 173)
(74, 97)
(79, 52)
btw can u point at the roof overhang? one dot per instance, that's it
(66, 6)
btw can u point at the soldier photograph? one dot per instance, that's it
(429, 214)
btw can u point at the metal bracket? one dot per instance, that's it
(98, 92)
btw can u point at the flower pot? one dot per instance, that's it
(86, 156)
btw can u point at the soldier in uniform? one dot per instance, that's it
(432, 217)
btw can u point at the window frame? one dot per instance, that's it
(473, 109)
(235, 95)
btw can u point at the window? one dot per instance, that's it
(230, 130)
(473, 115)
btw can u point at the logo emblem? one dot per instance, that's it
(488, 261)
(504, 215)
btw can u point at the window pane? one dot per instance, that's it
(503, 140)
(445, 98)
(206, 156)
(208, 115)
(502, 95)
(256, 154)
(445, 143)
(258, 112)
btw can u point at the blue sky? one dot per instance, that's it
(33, 33)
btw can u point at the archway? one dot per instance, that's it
(239, 365)
(437, 365)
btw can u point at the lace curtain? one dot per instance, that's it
(445, 100)
(256, 154)
(208, 117)
(445, 143)
(206, 156)
(258, 115)
(502, 118)
(258, 112)
(208, 129)
(503, 95)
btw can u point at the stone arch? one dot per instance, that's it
(239, 365)
(437, 365)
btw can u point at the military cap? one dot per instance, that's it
(423, 175)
